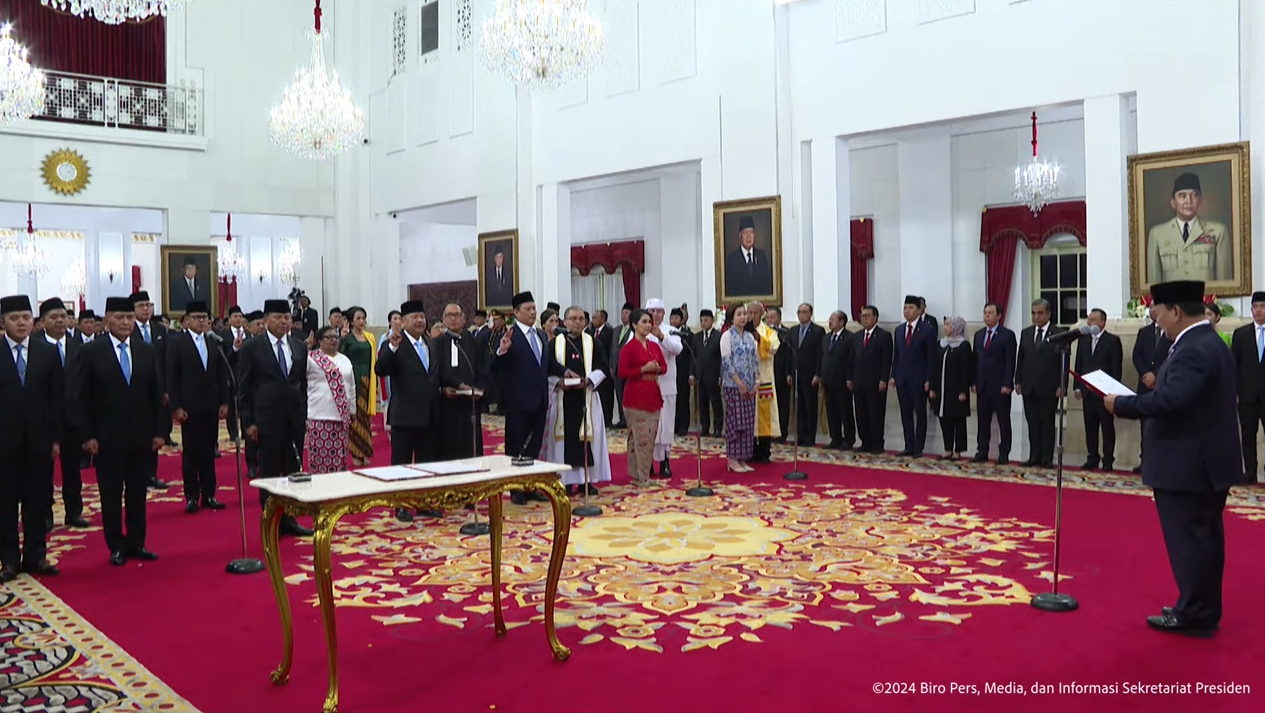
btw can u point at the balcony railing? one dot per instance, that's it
(122, 104)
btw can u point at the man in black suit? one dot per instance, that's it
(915, 347)
(308, 318)
(523, 372)
(1102, 351)
(232, 338)
(272, 375)
(748, 272)
(1040, 383)
(706, 346)
(188, 286)
(55, 319)
(604, 334)
(783, 362)
(155, 335)
(1149, 352)
(120, 404)
(868, 379)
(924, 317)
(684, 371)
(995, 354)
(197, 389)
(1248, 346)
(622, 334)
(32, 391)
(805, 376)
(836, 361)
(499, 288)
(86, 327)
(1193, 460)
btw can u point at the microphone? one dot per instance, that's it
(210, 333)
(1074, 334)
(300, 476)
(521, 459)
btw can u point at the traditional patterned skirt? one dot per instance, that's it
(739, 424)
(326, 446)
(361, 442)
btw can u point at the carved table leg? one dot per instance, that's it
(323, 530)
(561, 534)
(270, 535)
(496, 525)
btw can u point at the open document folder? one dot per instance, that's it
(1103, 384)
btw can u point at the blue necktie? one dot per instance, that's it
(200, 342)
(21, 364)
(1260, 343)
(145, 332)
(421, 354)
(61, 353)
(281, 361)
(535, 345)
(125, 362)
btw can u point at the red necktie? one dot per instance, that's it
(909, 335)
(988, 339)
(865, 342)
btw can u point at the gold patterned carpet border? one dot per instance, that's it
(51, 659)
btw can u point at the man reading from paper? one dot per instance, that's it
(576, 426)
(669, 341)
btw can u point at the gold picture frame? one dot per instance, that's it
(1190, 218)
(175, 291)
(755, 274)
(497, 293)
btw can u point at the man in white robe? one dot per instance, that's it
(575, 427)
(669, 341)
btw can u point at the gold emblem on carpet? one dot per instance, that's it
(675, 537)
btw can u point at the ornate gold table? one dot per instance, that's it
(329, 497)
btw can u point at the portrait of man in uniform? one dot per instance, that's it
(1189, 213)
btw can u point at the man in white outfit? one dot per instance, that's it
(669, 342)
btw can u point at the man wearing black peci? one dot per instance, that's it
(1248, 347)
(1098, 352)
(197, 389)
(868, 378)
(121, 406)
(1149, 352)
(272, 374)
(685, 371)
(1192, 454)
(55, 332)
(412, 361)
(1040, 384)
(622, 334)
(31, 389)
(806, 354)
(706, 345)
(233, 336)
(836, 361)
(155, 335)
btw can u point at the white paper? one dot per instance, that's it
(1105, 384)
(392, 473)
(454, 467)
(569, 383)
(454, 354)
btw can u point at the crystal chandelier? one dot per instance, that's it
(232, 264)
(21, 85)
(542, 44)
(115, 12)
(1037, 182)
(28, 260)
(316, 118)
(288, 264)
(75, 281)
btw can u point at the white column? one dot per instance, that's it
(554, 243)
(926, 223)
(710, 191)
(1106, 215)
(828, 210)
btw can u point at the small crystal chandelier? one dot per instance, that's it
(21, 85)
(542, 44)
(75, 281)
(1037, 182)
(316, 118)
(232, 265)
(115, 12)
(28, 260)
(288, 264)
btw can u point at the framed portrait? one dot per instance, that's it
(498, 269)
(748, 244)
(1190, 218)
(188, 275)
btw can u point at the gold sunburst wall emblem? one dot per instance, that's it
(66, 172)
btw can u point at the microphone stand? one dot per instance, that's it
(1056, 601)
(795, 473)
(699, 490)
(244, 564)
(586, 510)
(476, 527)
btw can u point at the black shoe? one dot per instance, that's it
(48, 524)
(291, 527)
(1172, 624)
(157, 484)
(1137, 469)
(142, 554)
(118, 559)
(704, 434)
(191, 506)
(85, 463)
(1107, 466)
(665, 469)
(218, 454)
(403, 515)
(1089, 465)
(518, 497)
(537, 497)
(1169, 611)
(579, 490)
(835, 445)
(170, 443)
(8, 573)
(1031, 463)
(905, 453)
(77, 521)
(43, 567)
(1003, 460)
(980, 458)
(431, 513)
(212, 504)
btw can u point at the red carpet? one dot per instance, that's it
(826, 643)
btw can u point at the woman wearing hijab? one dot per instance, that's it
(951, 385)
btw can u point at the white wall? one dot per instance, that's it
(434, 252)
(875, 194)
(261, 239)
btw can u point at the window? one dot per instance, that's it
(430, 27)
(1059, 277)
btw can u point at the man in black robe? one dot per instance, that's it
(461, 374)
(578, 356)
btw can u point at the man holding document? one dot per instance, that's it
(575, 431)
(1191, 440)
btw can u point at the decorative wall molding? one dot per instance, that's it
(399, 40)
(146, 237)
(573, 94)
(677, 40)
(935, 10)
(623, 54)
(17, 233)
(463, 25)
(855, 19)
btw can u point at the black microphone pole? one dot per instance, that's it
(244, 564)
(699, 490)
(1056, 601)
(587, 509)
(476, 527)
(795, 473)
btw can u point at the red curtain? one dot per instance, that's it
(862, 242)
(627, 255)
(64, 43)
(1001, 229)
(136, 278)
(228, 295)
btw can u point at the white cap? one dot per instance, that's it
(655, 303)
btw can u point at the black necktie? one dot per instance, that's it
(1185, 232)
(1040, 335)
